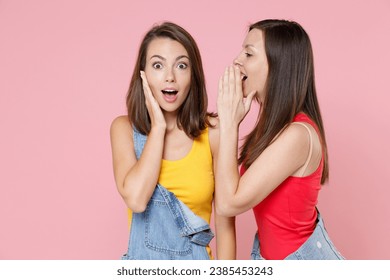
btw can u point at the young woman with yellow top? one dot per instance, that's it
(163, 153)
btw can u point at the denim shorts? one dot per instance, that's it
(317, 247)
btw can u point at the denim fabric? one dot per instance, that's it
(167, 229)
(317, 247)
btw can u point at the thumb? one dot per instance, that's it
(248, 101)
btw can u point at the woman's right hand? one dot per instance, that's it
(156, 116)
(231, 104)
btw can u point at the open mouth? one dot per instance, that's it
(169, 92)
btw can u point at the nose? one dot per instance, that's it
(170, 76)
(237, 62)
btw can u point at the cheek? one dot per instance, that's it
(153, 81)
(260, 75)
(188, 84)
(264, 76)
(185, 81)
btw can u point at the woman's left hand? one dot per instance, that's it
(231, 104)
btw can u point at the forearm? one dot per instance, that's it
(226, 238)
(140, 181)
(227, 176)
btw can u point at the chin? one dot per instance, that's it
(170, 109)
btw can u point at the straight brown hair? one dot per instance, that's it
(192, 115)
(290, 88)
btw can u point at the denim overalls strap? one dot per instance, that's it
(190, 225)
(166, 210)
(317, 247)
(139, 142)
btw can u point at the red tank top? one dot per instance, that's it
(287, 216)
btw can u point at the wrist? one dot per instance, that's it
(228, 126)
(158, 130)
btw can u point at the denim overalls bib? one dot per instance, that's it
(317, 247)
(167, 229)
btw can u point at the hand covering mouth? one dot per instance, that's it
(169, 91)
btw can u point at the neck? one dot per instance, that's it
(171, 121)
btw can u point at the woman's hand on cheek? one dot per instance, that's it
(156, 116)
(231, 104)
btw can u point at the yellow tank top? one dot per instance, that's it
(191, 178)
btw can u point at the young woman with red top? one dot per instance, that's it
(284, 159)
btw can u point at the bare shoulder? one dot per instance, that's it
(120, 125)
(214, 128)
(214, 134)
(285, 155)
(295, 136)
(214, 121)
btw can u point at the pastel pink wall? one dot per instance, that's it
(64, 70)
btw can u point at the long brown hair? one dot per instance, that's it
(290, 88)
(192, 115)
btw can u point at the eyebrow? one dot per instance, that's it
(163, 58)
(249, 45)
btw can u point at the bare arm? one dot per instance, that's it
(281, 159)
(225, 227)
(136, 180)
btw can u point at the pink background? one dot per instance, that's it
(64, 71)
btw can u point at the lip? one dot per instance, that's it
(170, 94)
(243, 79)
(169, 89)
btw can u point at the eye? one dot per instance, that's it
(182, 66)
(248, 54)
(157, 65)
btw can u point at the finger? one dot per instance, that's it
(248, 101)
(147, 91)
(220, 87)
(232, 83)
(145, 84)
(237, 77)
(149, 99)
(225, 84)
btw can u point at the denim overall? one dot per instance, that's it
(167, 229)
(317, 247)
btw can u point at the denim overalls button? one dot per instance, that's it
(319, 245)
